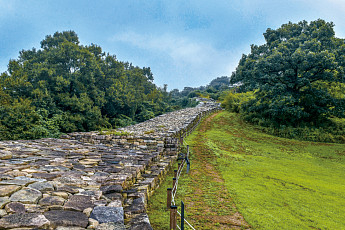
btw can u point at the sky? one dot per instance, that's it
(185, 43)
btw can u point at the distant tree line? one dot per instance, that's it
(294, 84)
(67, 87)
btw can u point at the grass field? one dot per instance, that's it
(275, 183)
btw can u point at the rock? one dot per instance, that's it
(61, 194)
(29, 178)
(66, 218)
(93, 223)
(15, 207)
(96, 194)
(87, 211)
(4, 201)
(4, 155)
(114, 196)
(26, 195)
(3, 212)
(140, 222)
(16, 182)
(78, 203)
(42, 186)
(24, 220)
(108, 214)
(69, 228)
(47, 176)
(52, 201)
(68, 188)
(138, 206)
(6, 190)
(111, 226)
(115, 203)
(111, 189)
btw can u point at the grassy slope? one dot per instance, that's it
(276, 183)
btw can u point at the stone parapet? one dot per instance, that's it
(92, 180)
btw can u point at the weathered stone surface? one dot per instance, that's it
(79, 203)
(69, 228)
(24, 220)
(42, 186)
(4, 201)
(111, 226)
(27, 196)
(66, 218)
(140, 222)
(5, 155)
(91, 165)
(47, 176)
(137, 206)
(61, 194)
(52, 201)
(16, 182)
(2, 212)
(114, 196)
(15, 207)
(115, 203)
(111, 189)
(68, 188)
(6, 190)
(108, 214)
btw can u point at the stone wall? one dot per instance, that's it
(93, 180)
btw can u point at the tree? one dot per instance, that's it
(290, 74)
(67, 87)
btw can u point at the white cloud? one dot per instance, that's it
(180, 49)
(193, 63)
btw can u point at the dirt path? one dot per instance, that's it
(209, 203)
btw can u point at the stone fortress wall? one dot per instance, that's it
(92, 180)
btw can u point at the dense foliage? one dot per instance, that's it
(215, 90)
(67, 87)
(297, 77)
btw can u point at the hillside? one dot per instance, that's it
(275, 183)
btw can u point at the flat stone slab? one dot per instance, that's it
(16, 182)
(4, 201)
(42, 186)
(6, 190)
(108, 214)
(111, 189)
(4, 154)
(26, 196)
(79, 203)
(111, 226)
(20, 220)
(52, 201)
(140, 222)
(15, 207)
(138, 206)
(66, 218)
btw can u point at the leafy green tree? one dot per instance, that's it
(291, 73)
(67, 87)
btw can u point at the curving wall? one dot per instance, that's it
(93, 180)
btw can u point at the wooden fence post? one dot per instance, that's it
(173, 217)
(169, 190)
(174, 182)
(175, 173)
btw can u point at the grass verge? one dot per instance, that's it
(275, 183)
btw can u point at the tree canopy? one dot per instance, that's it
(67, 87)
(297, 75)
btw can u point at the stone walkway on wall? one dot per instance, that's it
(90, 180)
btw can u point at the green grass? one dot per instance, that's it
(279, 183)
(275, 183)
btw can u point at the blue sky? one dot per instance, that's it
(186, 43)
